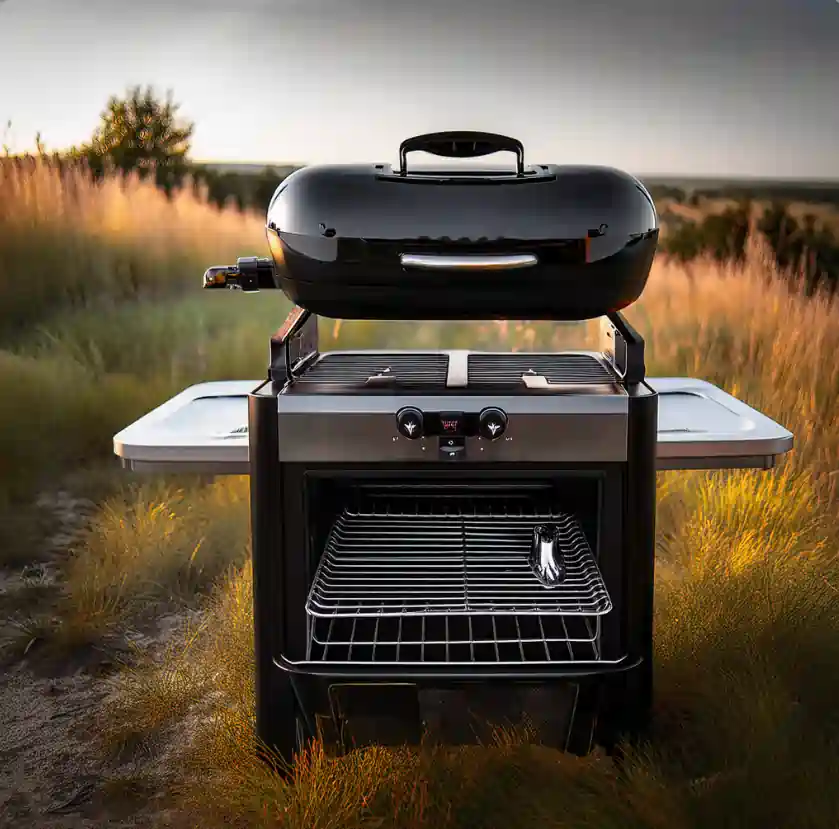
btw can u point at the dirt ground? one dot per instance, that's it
(52, 773)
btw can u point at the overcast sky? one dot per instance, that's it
(697, 87)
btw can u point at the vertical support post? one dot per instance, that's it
(275, 709)
(639, 538)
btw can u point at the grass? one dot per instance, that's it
(66, 242)
(154, 545)
(747, 629)
(747, 602)
(86, 275)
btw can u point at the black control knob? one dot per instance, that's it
(492, 423)
(409, 422)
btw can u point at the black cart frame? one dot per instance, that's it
(616, 700)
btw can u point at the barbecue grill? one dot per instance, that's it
(444, 532)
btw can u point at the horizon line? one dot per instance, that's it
(670, 175)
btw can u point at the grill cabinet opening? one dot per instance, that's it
(440, 575)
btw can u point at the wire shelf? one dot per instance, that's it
(438, 560)
(446, 640)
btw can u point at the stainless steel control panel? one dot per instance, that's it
(452, 428)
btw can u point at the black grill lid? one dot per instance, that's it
(539, 242)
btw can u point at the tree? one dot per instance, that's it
(142, 133)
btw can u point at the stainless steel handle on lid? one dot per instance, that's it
(465, 262)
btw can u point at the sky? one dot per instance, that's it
(733, 88)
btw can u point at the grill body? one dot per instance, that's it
(391, 578)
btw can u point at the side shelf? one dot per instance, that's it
(202, 429)
(702, 427)
(205, 429)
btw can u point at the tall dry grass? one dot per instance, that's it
(747, 620)
(67, 241)
(81, 264)
(747, 625)
(153, 546)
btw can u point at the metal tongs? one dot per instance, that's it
(546, 559)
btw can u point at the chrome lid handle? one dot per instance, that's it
(468, 262)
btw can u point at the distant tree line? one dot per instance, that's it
(773, 191)
(806, 249)
(245, 190)
(141, 133)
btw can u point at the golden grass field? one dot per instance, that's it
(102, 319)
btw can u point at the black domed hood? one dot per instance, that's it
(540, 242)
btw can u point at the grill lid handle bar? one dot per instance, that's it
(461, 144)
(623, 346)
(441, 262)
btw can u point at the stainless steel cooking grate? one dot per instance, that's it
(372, 370)
(443, 640)
(387, 563)
(500, 370)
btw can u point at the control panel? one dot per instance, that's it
(451, 428)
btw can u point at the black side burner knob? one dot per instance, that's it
(492, 423)
(409, 422)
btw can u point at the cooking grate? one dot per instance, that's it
(498, 370)
(443, 640)
(372, 370)
(389, 563)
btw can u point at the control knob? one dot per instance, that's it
(409, 422)
(492, 423)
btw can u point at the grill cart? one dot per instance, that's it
(437, 531)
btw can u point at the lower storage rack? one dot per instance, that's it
(423, 586)
(458, 639)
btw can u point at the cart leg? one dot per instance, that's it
(582, 729)
(630, 697)
(277, 722)
(276, 708)
(627, 710)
